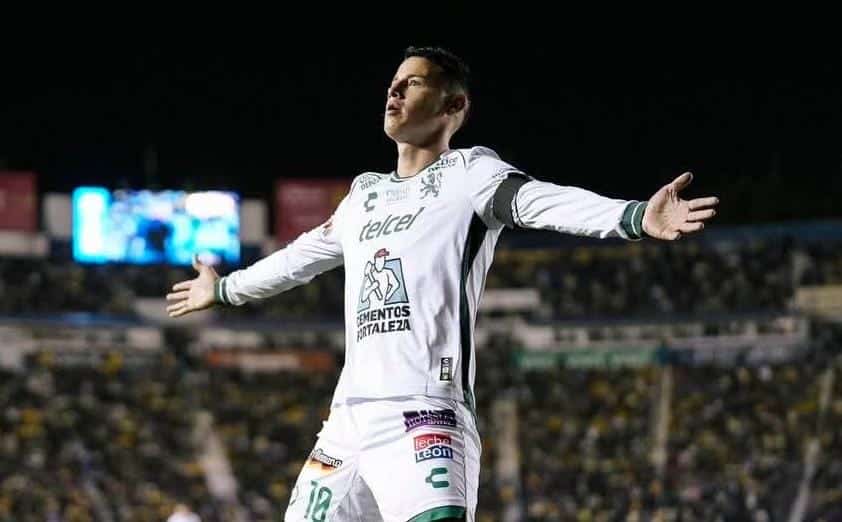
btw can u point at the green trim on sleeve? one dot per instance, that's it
(439, 513)
(632, 220)
(219, 291)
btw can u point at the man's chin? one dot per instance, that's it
(392, 130)
(399, 133)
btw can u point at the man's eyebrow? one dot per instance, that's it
(422, 76)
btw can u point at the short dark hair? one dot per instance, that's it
(455, 70)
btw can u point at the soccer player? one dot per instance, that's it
(401, 442)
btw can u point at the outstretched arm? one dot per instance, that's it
(312, 253)
(503, 195)
(520, 201)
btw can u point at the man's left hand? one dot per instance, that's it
(669, 217)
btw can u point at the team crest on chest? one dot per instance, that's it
(431, 181)
(431, 184)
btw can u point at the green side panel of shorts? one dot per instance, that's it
(439, 513)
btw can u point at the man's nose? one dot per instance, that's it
(395, 90)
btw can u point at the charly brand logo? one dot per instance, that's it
(390, 196)
(445, 373)
(391, 224)
(433, 446)
(368, 205)
(383, 305)
(418, 418)
(436, 482)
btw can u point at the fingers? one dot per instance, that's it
(691, 227)
(178, 309)
(178, 299)
(686, 228)
(180, 312)
(196, 263)
(696, 204)
(178, 296)
(701, 215)
(184, 285)
(682, 181)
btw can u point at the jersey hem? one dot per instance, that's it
(449, 393)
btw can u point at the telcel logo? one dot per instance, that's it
(391, 224)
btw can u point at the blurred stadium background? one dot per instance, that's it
(695, 381)
(686, 381)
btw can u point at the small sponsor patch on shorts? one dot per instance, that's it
(419, 418)
(433, 446)
(318, 458)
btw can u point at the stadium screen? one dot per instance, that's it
(155, 227)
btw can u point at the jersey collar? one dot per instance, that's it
(397, 179)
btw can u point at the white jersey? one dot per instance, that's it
(416, 253)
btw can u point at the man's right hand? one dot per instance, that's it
(195, 294)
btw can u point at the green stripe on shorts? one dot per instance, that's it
(439, 513)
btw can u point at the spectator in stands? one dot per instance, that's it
(182, 513)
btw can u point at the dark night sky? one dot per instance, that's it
(759, 123)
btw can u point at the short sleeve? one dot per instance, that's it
(485, 172)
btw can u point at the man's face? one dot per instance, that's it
(379, 263)
(415, 102)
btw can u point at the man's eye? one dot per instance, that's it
(414, 82)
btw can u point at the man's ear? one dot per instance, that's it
(455, 103)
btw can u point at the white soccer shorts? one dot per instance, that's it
(394, 460)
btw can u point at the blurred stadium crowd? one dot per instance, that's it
(738, 442)
(582, 282)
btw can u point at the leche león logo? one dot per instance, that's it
(383, 305)
(433, 446)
